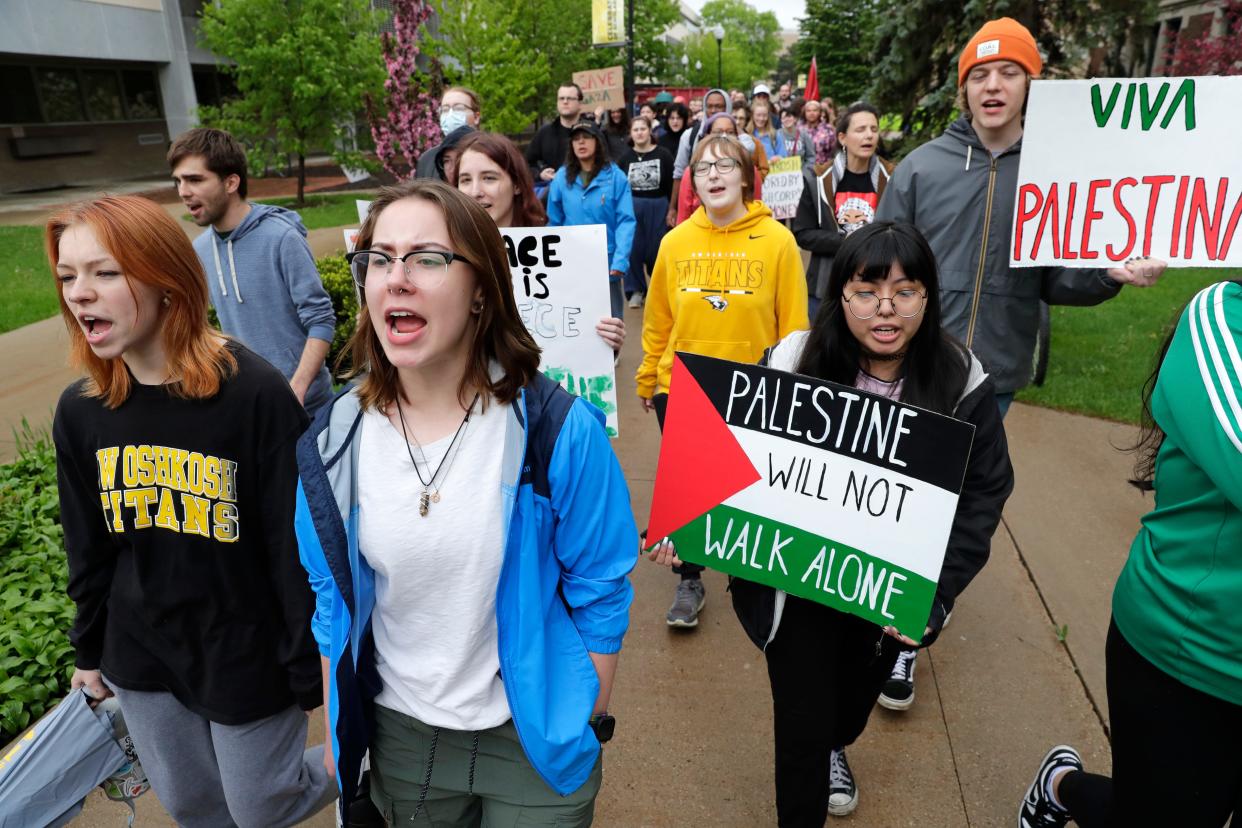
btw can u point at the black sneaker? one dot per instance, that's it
(842, 790)
(898, 692)
(1038, 810)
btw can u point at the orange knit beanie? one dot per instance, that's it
(1003, 39)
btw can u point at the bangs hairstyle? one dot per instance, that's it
(935, 367)
(221, 152)
(527, 208)
(499, 333)
(152, 249)
(726, 146)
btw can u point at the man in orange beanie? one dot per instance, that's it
(959, 191)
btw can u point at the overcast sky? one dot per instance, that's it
(786, 10)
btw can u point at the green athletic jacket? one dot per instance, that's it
(1179, 599)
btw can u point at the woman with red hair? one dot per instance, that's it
(177, 474)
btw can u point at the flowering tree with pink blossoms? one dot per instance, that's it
(405, 123)
(1213, 54)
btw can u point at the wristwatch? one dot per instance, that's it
(603, 725)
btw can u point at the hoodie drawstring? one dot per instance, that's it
(215, 251)
(431, 761)
(474, 755)
(968, 149)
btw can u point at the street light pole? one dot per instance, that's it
(718, 31)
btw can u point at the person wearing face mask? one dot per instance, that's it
(840, 197)
(459, 116)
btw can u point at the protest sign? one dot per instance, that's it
(602, 87)
(351, 236)
(783, 187)
(607, 23)
(560, 281)
(824, 491)
(362, 206)
(1117, 168)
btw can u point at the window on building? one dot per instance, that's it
(61, 95)
(142, 97)
(20, 103)
(103, 95)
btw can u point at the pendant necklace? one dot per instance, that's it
(431, 490)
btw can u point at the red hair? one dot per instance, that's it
(152, 249)
(527, 209)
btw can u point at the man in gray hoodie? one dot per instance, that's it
(262, 276)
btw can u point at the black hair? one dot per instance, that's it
(936, 367)
(573, 167)
(622, 129)
(1151, 435)
(682, 110)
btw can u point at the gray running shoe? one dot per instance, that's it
(687, 602)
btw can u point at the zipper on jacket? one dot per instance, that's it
(983, 252)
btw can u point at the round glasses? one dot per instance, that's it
(905, 303)
(723, 166)
(424, 269)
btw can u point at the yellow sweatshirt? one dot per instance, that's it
(729, 292)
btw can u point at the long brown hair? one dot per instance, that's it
(499, 334)
(153, 250)
(527, 208)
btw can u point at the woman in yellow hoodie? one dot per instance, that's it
(728, 283)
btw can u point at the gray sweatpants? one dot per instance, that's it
(255, 775)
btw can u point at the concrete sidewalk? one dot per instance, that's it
(694, 744)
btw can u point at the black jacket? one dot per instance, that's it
(431, 162)
(548, 148)
(986, 487)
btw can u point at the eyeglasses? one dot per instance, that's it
(906, 303)
(568, 98)
(457, 107)
(723, 166)
(424, 269)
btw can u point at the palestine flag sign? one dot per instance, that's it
(821, 490)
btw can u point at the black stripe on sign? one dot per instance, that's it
(872, 429)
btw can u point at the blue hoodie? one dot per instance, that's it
(606, 200)
(266, 290)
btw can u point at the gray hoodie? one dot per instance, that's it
(961, 198)
(266, 290)
(686, 146)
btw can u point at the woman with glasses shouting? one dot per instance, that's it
(471, 599)
(727, 283)
(877, 330)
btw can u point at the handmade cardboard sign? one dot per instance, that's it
(560, 281)
(602, 87)
(818, 489)
(783, 187)
(1116, 168)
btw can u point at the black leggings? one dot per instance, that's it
(687, 571)
(826, 669)
(1176, 759)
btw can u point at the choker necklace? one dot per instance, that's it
(431, 491)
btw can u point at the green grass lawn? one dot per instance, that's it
(327, 210)
(26, 284)
(1101, 356)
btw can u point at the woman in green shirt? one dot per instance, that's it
(1173, 654)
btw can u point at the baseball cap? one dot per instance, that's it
(1002, 39)
(761, 89)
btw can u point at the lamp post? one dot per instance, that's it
(685, 68)
(718, 31)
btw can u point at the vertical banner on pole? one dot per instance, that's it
(607, 22)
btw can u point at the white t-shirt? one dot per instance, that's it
(435, 576)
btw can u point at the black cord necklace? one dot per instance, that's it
(429, 496)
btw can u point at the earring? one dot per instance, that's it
(166, 301)
(477, 307)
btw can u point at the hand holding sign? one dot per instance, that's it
(1141, 272)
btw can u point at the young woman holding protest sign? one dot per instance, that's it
(590, 189)
(176, 473)
(492, 172)
(840, 197)
(878, 330)
(1174, 679)
(471, 601)
(650, 172)
(707, 314)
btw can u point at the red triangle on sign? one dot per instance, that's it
(701, 463)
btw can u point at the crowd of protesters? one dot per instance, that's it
(439, 552)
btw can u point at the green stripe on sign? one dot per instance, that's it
(819, 569)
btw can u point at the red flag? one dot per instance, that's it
(812, 83)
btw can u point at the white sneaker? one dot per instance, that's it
(636, 299)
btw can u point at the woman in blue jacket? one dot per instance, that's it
(590, 189)
(470, 598)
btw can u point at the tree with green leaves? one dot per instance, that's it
(841, 36)
(301, 69)
(748, 52)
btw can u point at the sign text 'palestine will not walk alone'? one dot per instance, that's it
(818, 489)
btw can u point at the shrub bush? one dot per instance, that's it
(334, 271)
(36, 660)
